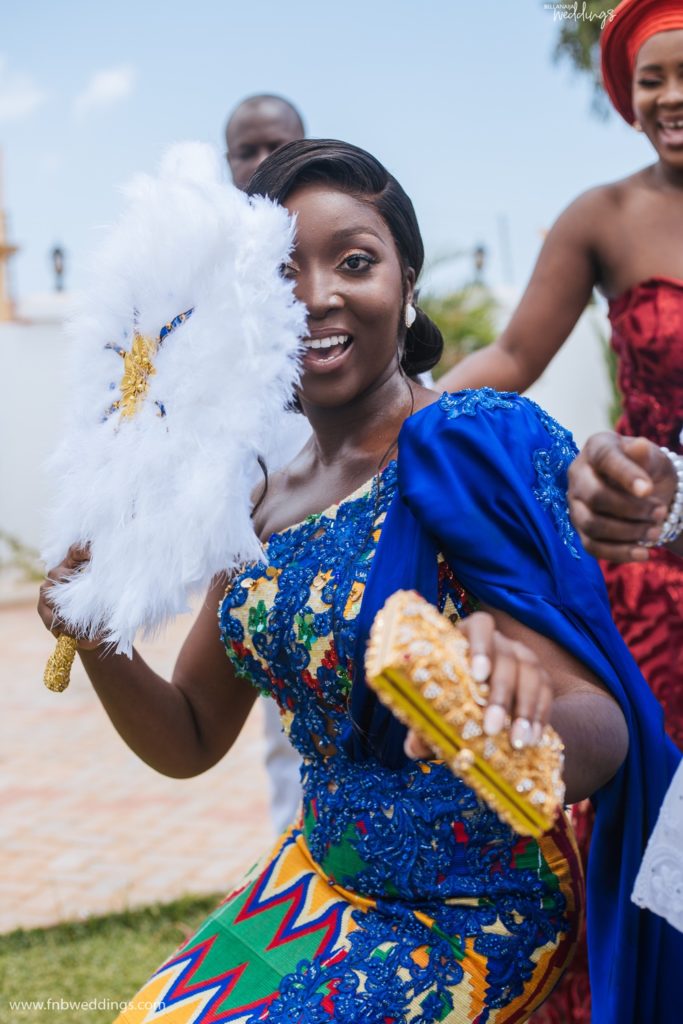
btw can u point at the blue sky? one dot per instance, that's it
(459, 99)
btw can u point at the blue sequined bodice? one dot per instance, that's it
(289, 624)
(418, 834)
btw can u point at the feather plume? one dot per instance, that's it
(163, 496)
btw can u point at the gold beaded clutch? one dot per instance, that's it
(417, 662)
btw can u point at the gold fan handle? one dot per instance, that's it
(58, 668)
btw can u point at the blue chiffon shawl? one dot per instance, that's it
(482, 479)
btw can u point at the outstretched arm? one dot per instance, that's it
(559, 289)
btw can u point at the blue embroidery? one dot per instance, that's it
(175, 322)
(551, 464)
(163, 334)
(411, 839)
(303, 643)
(468, 403)
(376, 982)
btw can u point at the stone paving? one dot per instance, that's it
(87, 828)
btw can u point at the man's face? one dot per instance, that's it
(254, 132)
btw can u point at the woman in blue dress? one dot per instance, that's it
(399, 896)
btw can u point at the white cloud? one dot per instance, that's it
(104, 89)
(19, 94)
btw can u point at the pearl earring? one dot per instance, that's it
(638, 126)
(410, 315)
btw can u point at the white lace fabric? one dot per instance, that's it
(659, 885)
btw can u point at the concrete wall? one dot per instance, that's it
(33, 395)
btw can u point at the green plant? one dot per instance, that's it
(15, 555)
(467, 321)
(60, 974)
(578, 41)
(615, 408)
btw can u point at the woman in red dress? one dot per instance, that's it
(624, 238)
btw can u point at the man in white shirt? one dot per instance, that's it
(256, 128)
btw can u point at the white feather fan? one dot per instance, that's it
(163, 495)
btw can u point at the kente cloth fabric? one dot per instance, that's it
(646, 598)
(400, 897)
(631, 24)
(570, 1000)
(293, 946)
(482, 478)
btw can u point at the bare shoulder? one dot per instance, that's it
(593, 210)
(280, 499)
(589, 208)
(594, 223)
(615, 197)
(266, 496)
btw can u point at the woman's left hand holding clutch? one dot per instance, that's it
(533, 682)
(520, 690)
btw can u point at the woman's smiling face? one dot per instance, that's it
(658, 94)
(347, 271)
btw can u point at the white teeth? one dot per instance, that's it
(336, 339)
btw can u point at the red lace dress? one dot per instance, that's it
(646, 597)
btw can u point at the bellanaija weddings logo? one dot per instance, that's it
(574, 12)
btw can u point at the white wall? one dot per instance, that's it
(575, 388)
(34, 390)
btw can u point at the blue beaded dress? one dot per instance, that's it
(398, 896)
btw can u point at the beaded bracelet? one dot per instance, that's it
(672, 527)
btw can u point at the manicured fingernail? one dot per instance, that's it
(494, 719)
(481, 667)
(536, 733)
(520, 734)
(652, 534)
(640, 487)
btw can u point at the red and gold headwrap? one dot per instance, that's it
(632, 24)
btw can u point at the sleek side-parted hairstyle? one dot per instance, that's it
(352, 170)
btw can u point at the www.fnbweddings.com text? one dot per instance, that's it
(80, 1005)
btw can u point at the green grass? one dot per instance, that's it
(103, 958)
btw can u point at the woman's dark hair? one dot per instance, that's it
(359, 174)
